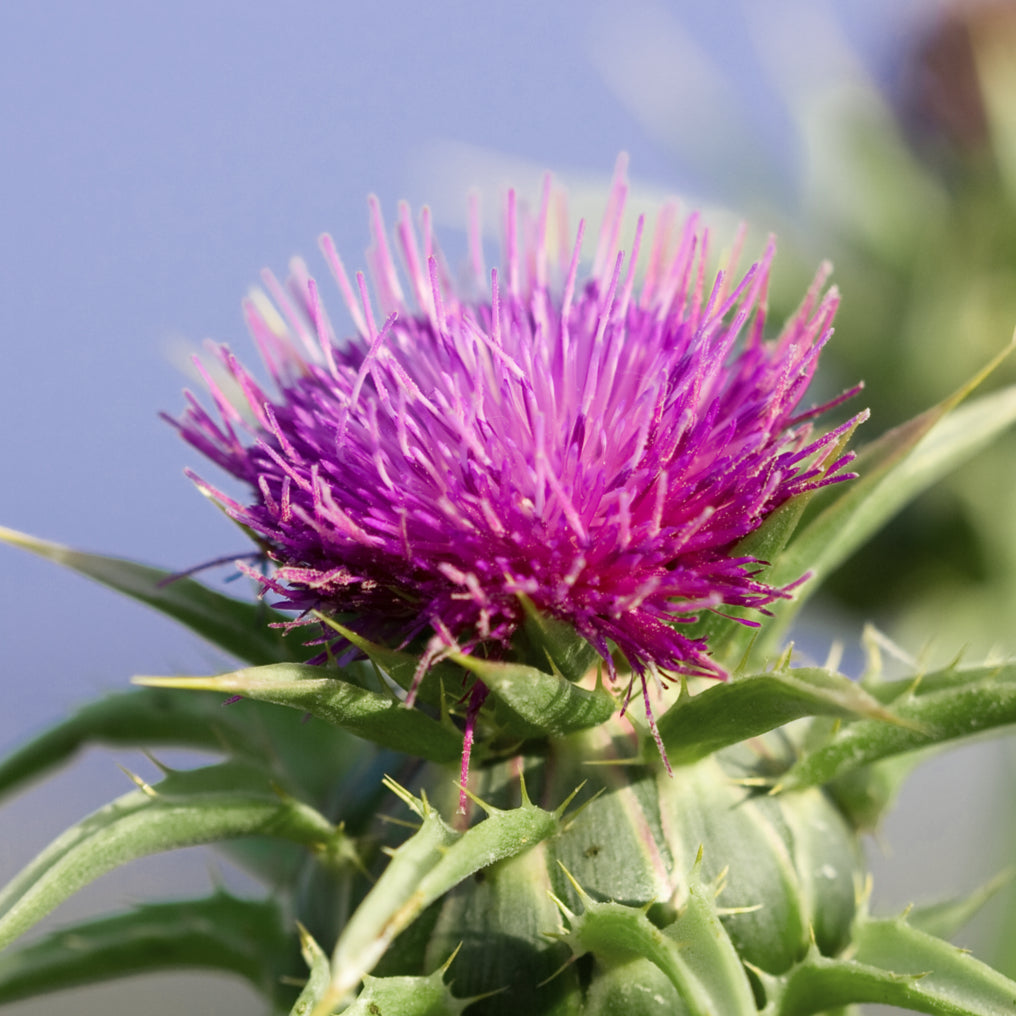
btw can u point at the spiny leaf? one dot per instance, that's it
(533, 703)
(368, 714)
(239, 628)
(729, 712)
(430, 863)
(400, 666)
(895, 964)
(185, 809)
(407, 996)
(244, 937)
(320, 975)
(695, 953)
(556, 643)
(945, 918)
(946, 706)
(150, 717)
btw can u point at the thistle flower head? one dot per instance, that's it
(596, 441)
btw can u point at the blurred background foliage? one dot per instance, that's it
(916, 206)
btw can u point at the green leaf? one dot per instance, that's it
(367, 714)
(308, 757)
(244, 937)
(239, 628)
(634, 986)
(893, 471)
(694, 952)
(185, 809)
(533, 703)
(708, 956)
(320, 975)
(431, 862)
(895, 964)
(945, 918)
(729, 712)
(945, 706)
(148, 718)
(512, 953)
(550, 641)
(945, 976)
(407, 996)
(866, 794)
(400, 666)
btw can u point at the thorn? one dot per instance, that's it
(145, 788)
(164, 769)
(420, 805)
(487, 809)
(560, 904)
(875, 640)
(582, 807)
(465, 1003)
(561, 808)
(746, 655)
(309, 949)
(526, 803)
(727, 911)
(915, 684)
(403, 822)
(448, 962)
(560, 970)
(863, 895)
(784, 659)
(835, 655)
(960, 653)
(757, 971)
(583, 895)
(720, 882)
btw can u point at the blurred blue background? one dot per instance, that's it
(156, 157)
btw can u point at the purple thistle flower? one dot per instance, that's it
(595, 443)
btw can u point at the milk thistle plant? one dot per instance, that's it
(518, 727)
